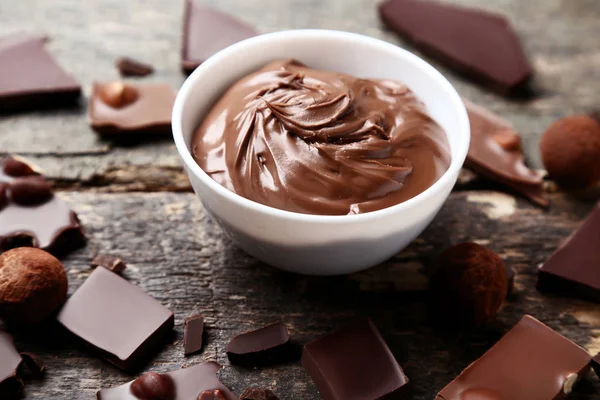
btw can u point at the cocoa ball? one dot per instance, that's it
(570, 151)
(468, 285)
(153, 386)
(33, 285)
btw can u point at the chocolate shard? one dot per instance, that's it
(530, 362)
(11, 384)
(493, 155)
(207, 31)
(118, 110)
(258, 394)
(32, 365)
(189, 384)
(130, 67)
(264, 346)
(116, 319)
(573, 269)
(31, 78)
(354, 363)
(31, 215)
(111, 263)
(192, 335)
(478, 44)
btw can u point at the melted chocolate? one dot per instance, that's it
(319, 142)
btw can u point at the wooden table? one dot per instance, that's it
(177, 254)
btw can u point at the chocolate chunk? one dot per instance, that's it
(111, 263)
(258, 394)
(211, 395)
(130, 67)
(27, 220)
(153, 386)
(189, 383)
(192, 336)
(11, 384)
(501, 163)
(33, 364)
(530, 362)
(479, 44)
(354, 363)
(122, 109)
(31, 79)
(207, 31)
(116, 319)
(264, 346)
(573, 268)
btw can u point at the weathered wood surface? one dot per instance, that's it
(180, 257)
(560, 37)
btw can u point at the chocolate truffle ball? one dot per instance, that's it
(468, 285)
(33, 285)
(570, 151)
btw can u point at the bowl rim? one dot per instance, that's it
(457, 159)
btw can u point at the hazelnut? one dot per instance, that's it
(508, 139)
(153, 386)
(570, 150)
(469, 284)
(30, 191)
(117, 94)
(3, 195)
(16, 167)
(211, 395)
(33, 284)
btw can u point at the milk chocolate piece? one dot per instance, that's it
(189, 383)
(130, 67)
(120, 109)
(11, 384)
(30, 215)
(479, 44)
(530, 362)
(354, 363)
(258, 394)
(505, 165)
(192, 335)
(263, 346)
(111, 263)
(116, 319)
(574, 268)
(207, 31)
(31, 78)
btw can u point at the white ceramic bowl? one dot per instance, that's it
(317, 244)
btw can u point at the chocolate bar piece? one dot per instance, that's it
(258, 394)
(192, 335)
(263, 346)
(120, 109)
(479, 44)
(130, 67)
(189, 384)
(31, 215)
(116, 319)
(574, 268)
(530, 362)
(495, 153)
(31, 78)
(111, 263)
(206, 31)
(354, 363)
(11, 384)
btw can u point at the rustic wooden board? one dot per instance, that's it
(179, 256)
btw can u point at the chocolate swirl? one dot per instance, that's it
(319, 142)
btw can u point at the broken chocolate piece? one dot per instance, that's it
(530, 362)
(33, 364)
(111, 263)
(354, 363)
(263, 346)
(207, 31)
(192, 336)
(130, 67)
(479, 44)
(31, 77)
(11, 384)
(189, 383)
(258, 394)
(573, 268)
(503, 164)
(118, 109)
(116, 319)
(32, 216)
